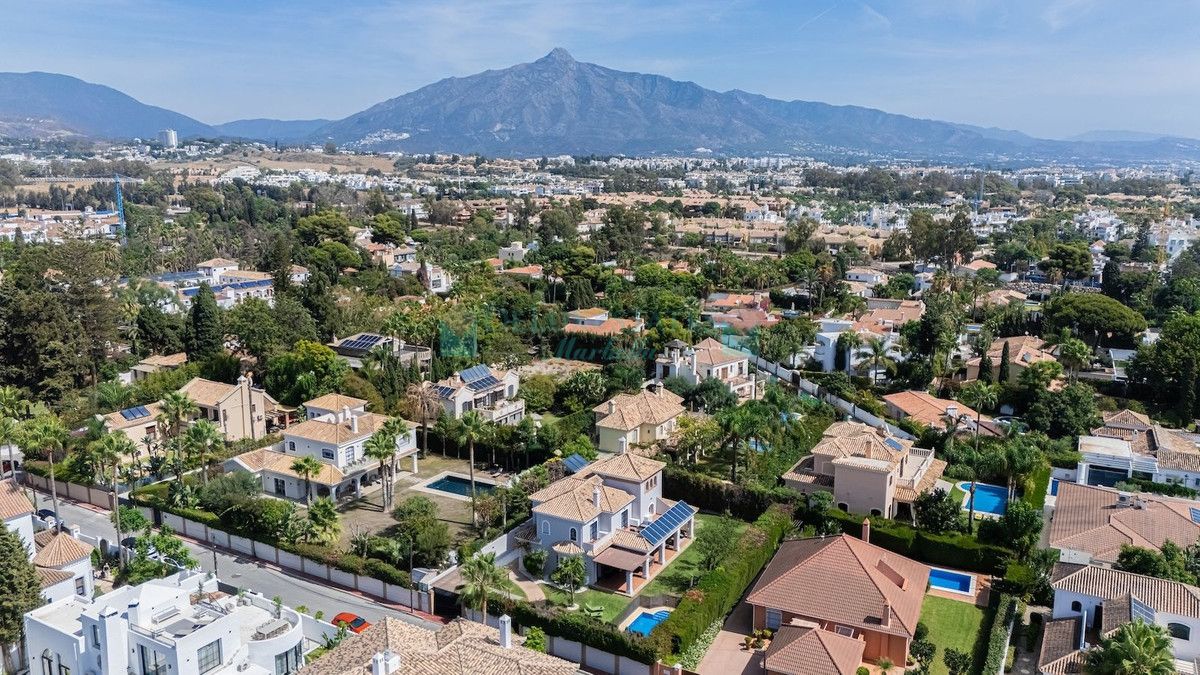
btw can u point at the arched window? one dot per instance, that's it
(574, 534)
(876, 512)
(1076, 606)
(291, 446)
(1179, 631)
(843, 506)
(47, 663)
(545, 527)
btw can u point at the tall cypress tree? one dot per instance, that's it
(1002, 377)
(985, 369)
(22, 593)
(205, 336)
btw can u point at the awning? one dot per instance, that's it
(621, 559)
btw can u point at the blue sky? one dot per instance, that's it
(1051, 67)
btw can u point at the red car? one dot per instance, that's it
(353, 622)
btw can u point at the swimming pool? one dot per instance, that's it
(990, 499)
(949, 580)
(457, 485)
(646, 621)
(1053, 487)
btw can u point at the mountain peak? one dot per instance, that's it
(557, 55)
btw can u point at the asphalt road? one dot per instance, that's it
(247, 573)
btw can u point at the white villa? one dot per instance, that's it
(180, 625)
(707, 360)
(1130, 445)
(335, 432)
(64, 564)
(491, 392)
(613, 514)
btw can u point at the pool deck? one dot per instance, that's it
(967, 498)
(648, 610)
(982, 589)
(423, 486)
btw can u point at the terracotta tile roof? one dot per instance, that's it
(1127, 418)
(263, 459)
(607, 327)
(207, 392)
(905, 493)
(713, 353)
(459, 648)
(575, 499)
(1106, 583)
(335, 402)
(13, 501)
(51, 577)
(845, 580)
(631, 411)
(567, 548)
(926, 408)
(620, 558)
(1091, 519)
(114, 421)
(631, 540)
(626, 466)
(1060, 653)
(166, 360)
(217, 262)
(61, 549)
(589, 313)
(325, 430)
(805, 650)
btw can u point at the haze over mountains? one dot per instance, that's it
(557, 105)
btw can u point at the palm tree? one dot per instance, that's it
(735, 424)
(427, 405)
(177, 408)
(1137, 648)
(849, 342)
(879, 355)
(1075, 355)
(481, 579)
(472, 428)
(47, 434)
(446, 427)
(394, 428)
(110, 450)
(382, 447)
(306, 467)
(13, 408)
(10, 435)
(202, 438)
(977, 395)
(323, 518)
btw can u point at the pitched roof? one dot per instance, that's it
(207, 392)
(48, 577)
(631, 411)
(13, 502)
(114, 421)
(217, 262)
(326, 429)
(166, 360)
(1060, 653)
(1106, 583)
(335, 402)
(606, 327)
(574, 498)
(926, 408)
(625, 466)
(806, 650)
(61, 549)
(459, 648)
(278, 462)
(1093, 520)
(845, 580)
(713, 353)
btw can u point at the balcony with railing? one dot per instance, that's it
(502, 409)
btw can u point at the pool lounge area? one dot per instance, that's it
(990, 500)
(456, 485)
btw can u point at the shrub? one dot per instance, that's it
(711, 494)
(535, 562)
(578, 628)
(1036, 487)
(997, 645)
(535, 639)
(862, 670)
(958, 550)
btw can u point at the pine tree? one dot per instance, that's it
(22, 593)
(1002, 377)
(205, 337)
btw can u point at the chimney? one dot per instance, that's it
(353, 423)
(612, 406)
(596, 496)
(386, 662)
(866, 530)
(506, 627)
(134, 613)
(952, 412)
(886, 619)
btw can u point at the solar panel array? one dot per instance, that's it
(575, 463)
(893, 444)
(1140, 610)
(444, 392)
(486, 382)
(135, 413)
(474, 373)
(665, 524)
(364, 342)
(1195, 515)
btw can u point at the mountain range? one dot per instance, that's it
(557, 105)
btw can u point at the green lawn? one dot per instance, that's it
(952, 624)
(680, 573)
(612, 603)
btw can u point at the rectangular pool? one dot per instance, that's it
(1053, 487)
(949, 580)
(646, 621)
(990, 499)
(459, 486)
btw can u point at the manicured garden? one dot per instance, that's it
(954, 624)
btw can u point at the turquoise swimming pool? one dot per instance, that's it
(646, 621)
(990, 499)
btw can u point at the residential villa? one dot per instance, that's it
(156, 364)
(612, 513)
(867, 470)
(596, 321)
(1023, 351)
(707, 360)
(1130, 445)
(181, 624)
(489, 391)
(240, 410)
(1091, 524)
(63, 563)
(334, 433)
(627, 421)
(1091, 603)
(139, 423)
(938, 413)
(354, 349)
(843, 586)
(395, 647)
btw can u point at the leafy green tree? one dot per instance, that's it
(582, 390)
(1005, 364)
(1097, 319)
(1169, 562)
(1070, 411)
(309, 370)
(1137, 648)
(957, 661)
(22, 593)
(1068, 261)
(937, 512)
(418, 517)
(716, 540)
(940, 243)
(205, 335)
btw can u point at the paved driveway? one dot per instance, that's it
(727, 655)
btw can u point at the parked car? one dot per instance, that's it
(132, 542)
(353, 622)
(47, 515)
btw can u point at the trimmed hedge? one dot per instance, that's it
(716, 496)
(579, 628)
(957, 550)
(720, 590)
(997, 646)
(1168, 489)
(1036, 487)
